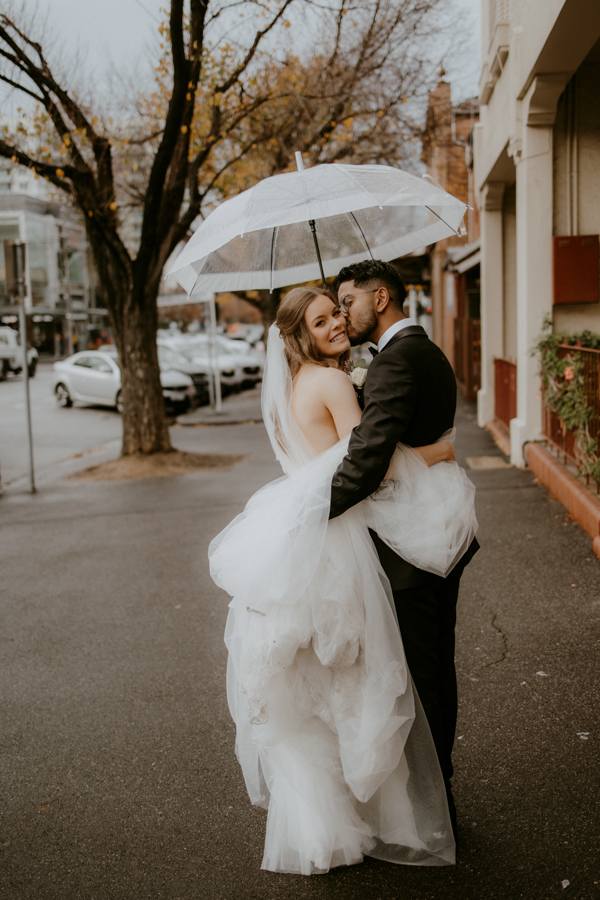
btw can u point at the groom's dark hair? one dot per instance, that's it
(372, 270)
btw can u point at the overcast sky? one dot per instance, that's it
(118, 33)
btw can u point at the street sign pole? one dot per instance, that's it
(214, 355)
(14, 261)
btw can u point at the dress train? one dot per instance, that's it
(331, 737)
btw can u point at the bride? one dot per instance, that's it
(331, 736)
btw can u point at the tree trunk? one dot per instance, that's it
(131, 302)
(144, 424)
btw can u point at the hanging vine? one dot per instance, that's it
(565, 392)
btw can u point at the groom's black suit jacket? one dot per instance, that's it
(409, 396)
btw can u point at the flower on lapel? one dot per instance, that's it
(356, 372)
(358, 376)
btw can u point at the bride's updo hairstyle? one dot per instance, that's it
(300, 347)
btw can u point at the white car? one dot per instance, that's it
(229, 364)
(92, 376)
(11, 356)
(251, 360)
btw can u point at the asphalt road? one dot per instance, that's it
(119, 780)
(58, 433)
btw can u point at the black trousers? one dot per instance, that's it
(427, 617)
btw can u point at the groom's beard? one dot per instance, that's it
(362, 327)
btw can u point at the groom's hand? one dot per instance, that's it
(441, 451)
(390, 399)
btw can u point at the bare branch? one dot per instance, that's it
(55, 174)
(229, 82)
(21, 88)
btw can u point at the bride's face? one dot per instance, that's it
(327, 326)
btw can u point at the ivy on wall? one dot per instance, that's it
(565, 392)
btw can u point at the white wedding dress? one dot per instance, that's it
(331, 736)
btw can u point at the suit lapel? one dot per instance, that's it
(405, 332)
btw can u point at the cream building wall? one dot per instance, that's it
(537, 162)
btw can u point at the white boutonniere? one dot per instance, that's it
(357, 372)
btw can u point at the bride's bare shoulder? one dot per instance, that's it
(324, 377)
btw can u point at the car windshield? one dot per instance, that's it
(235, 346)
(195, 350)
(169, 357)
(221, 346)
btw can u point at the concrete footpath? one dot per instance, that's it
(119, 780)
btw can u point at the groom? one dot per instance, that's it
(410, 396)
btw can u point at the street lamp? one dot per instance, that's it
(14, 265)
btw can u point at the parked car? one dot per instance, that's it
(197, 352)
(251, 360)
(11, 357)
(92, 376)
(173, 359)
(250, 333)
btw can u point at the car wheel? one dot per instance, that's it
(31, 368)
(63, 397)
(119, 403)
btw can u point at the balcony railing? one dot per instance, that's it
(552, 427)
(505, 391)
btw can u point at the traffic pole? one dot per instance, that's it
(23, 328)
(215, 353)
(14, 265)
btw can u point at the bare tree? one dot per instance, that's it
(170, 199)
(222, 115)
(358, 99)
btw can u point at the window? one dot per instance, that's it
(100, 365)
(499, 13)
(76, 268)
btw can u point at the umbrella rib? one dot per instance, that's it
(362, 188)
(196, 281)
(272, 249)
(437, 215)
(313, 228)
(362, 234)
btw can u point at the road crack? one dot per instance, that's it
(501, 633)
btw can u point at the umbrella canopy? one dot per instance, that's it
(262, 238)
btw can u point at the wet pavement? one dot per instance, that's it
(119, 779)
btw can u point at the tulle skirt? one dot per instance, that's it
(331, 737)
(425, 514)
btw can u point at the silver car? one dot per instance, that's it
(197, 351)
(93, 376)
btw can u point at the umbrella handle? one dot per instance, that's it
(313, 228)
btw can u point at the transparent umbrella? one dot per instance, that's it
(305, 225)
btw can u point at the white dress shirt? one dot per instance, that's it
(392, 330)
